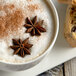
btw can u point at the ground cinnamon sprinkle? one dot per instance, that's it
(33, 7)
(29, 0)
(11, 6)
(11, 21)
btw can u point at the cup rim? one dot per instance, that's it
(52, 43)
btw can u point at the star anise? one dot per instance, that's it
(20, 47)
(34, 27)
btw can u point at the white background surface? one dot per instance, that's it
(60, 53)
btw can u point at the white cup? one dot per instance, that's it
(23, 66)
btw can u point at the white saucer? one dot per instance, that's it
(60, 53)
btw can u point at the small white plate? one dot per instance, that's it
(60, 53)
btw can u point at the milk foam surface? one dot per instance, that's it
(29, 8)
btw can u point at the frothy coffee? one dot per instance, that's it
(12, 18)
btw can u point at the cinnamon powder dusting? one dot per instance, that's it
(11, 21)
(33, 7)
(9, 6)
(29, 0)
